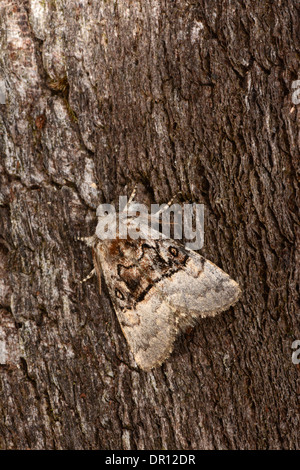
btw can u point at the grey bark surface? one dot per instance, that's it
(190, 96)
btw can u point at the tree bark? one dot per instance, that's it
(183, 95)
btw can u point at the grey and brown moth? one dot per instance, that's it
(158, 288)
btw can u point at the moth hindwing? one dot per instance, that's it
(158, 289)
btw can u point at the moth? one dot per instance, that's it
(158, 288)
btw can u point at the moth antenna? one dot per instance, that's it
(89, 276)
(132, 196)
(168, 204)
(99, 284)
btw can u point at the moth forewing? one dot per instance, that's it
(200, 288)
(158, 287)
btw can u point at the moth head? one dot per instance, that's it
(109, 220)
(106, 226)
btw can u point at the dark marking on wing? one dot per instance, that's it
(150, 268)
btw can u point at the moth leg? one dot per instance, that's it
(88, 240)
(97, 268)
(89, 276)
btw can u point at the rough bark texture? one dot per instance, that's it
(182, 95)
